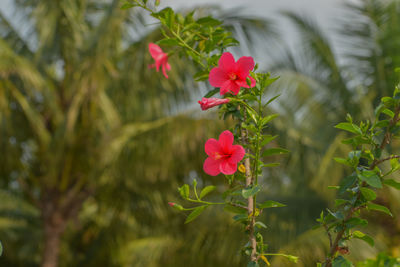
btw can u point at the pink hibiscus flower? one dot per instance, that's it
(231, 75)
(207, 103)
(223, 156)
(161, 59)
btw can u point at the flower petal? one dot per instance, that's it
(164, 71)
(225, 141)
(237, 154)
(227, 168)
(211, 147)
(226, 62)
(211, 166)
(229, 87)
(243, 66)
(217, 77)
(155, 50)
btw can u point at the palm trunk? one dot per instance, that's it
(52, 236)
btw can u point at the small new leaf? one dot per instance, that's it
(350, 127)
(184, 191)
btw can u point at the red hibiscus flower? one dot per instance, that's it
(207, 103)
(231, 75)
(161, 59)
(223, 156)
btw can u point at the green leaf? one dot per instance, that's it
(368, 193)
(250, 191)
(269, 118)
(168, 41)
(272, 99)
(362, 236)
(195, 213)
(377, 207)
(184, 191)
(209, 21)
(127, 5)
(260, 225)
(271, 204)
(212, 92)
(267, 139)
(341, 262)
(350, 127)
(252, 114)
(234, 209)
(371, 178)
(206, 190)
(346, 183)
(355, 222)
(274, 151)
(388, 112)
(392, 183)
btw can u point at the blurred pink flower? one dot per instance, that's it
(207, 103)
(231, 75)
(161, 59)
(223, 156)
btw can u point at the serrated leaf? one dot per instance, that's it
(206, 190)
(373, 206)
(250, 191)
(271, 204)
(362, 236)
(392, 183)
(274, 151)
(371, 178)
(195, 213)
(368, 193)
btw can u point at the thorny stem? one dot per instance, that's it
(385, 141)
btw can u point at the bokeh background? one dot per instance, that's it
(94, 144)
